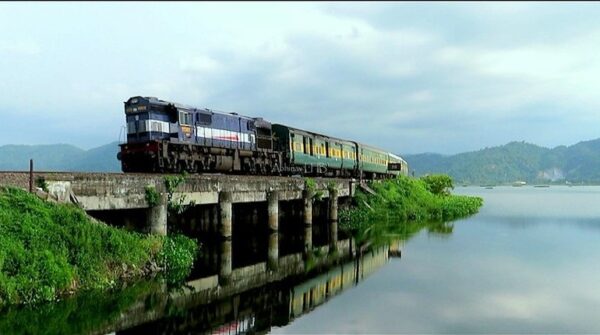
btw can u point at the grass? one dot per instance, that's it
(402, 207)
(48, 251)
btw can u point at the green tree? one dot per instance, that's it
(439, 184)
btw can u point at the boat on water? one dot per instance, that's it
(519, 183)
(541, 186)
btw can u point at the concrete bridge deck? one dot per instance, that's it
(110, 191)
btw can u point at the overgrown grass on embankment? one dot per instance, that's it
(48, 251)
(405, 205)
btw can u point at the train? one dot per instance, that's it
(168, 137)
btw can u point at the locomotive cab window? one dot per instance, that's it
(185, 118)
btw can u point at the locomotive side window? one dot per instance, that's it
(207, 119)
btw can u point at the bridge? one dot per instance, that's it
(226, 211)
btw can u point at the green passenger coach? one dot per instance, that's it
(316, 154)
(312, 153)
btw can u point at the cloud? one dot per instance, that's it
(406, 77)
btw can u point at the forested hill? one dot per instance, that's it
(579, 163)
(60, 157)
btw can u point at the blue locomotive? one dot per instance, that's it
(168, 137)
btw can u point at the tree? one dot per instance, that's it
(439, 184)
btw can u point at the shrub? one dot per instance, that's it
(439, 184)
(404, 206)
(49, 250)
(152, 196)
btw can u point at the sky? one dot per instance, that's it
(406, 77)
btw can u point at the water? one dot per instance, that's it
(527, 263)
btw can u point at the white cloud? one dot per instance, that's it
(199, 63)
(426, 69)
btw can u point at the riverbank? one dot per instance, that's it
(48, 251)
(403, 206)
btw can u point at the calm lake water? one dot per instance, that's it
(527, 263)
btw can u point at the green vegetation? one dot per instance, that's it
(516, 161)
(404, 206)
(85, 313)
(438, 184)
(311, 187)
(152, 196)
(171, 184)
(48, 251)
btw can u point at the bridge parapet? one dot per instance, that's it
(110, 191)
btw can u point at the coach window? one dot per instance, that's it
(306, 145)
(310, 141)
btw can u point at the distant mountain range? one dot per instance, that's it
(516, 161)
(60, 157)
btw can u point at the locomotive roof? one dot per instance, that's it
(154, 100)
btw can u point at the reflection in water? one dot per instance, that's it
(146, 308)
(273, 305)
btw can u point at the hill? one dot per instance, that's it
(579, 163)
(60, 157)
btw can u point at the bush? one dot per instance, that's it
(439, 184)
(404, 206)
(48, 250)
(152, 196)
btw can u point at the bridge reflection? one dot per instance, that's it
(255, 301)
(273, 305)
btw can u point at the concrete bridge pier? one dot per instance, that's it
(273, 254)
(308, 216)
(333, 219)
(225, 264)
(273, 213)
(225, 224)
(156, 218)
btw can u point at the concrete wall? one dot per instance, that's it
(106, 191)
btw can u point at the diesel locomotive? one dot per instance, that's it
(164, 136)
